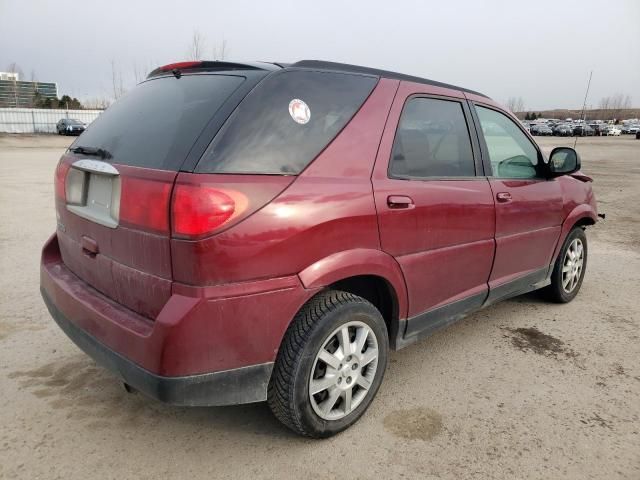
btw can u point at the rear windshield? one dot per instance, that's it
(288, 119)
(156, 124)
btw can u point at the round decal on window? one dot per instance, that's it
(299, 111)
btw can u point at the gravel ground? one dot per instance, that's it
(523, 389)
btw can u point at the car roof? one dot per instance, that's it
(345, 67)
(219, 66)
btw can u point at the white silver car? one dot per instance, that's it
(612, 130)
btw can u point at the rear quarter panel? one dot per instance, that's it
(329, 208)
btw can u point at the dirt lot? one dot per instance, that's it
(523, 389)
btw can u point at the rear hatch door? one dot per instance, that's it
(114, 185)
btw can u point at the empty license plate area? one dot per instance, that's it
(93, 192)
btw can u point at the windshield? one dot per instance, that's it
(156, 124)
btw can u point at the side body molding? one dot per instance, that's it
(360, 261)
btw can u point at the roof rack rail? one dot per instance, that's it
(344, 67)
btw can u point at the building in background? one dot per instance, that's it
(13, 76)
(19, 94)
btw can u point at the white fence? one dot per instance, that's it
(40, 120)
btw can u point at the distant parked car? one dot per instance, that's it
(70, 126)
(563, 130)
(541, 129)
(633, 129)
(583, 131)
(612, 130)
(599, 128)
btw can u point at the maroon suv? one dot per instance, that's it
(232, 233)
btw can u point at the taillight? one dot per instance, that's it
(198, 210)
(145, 203)
(60, 179)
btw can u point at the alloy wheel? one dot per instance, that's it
(343, 370)
(572, 265)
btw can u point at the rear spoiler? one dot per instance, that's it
(210, 66)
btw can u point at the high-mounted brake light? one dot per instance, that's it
(180, 66)
(197, 210)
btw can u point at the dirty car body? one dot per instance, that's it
(192, 235)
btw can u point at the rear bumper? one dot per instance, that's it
(230, 387)
(210, 345)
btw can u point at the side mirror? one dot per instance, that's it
(563, 161)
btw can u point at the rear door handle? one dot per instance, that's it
(397, 202)
(503, 197)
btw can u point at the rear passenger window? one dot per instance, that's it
(287, 120)
(432, 140)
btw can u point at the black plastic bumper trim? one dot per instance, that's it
(229, 387)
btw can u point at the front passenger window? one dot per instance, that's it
(511, 153)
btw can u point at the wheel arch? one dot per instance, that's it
(379, 292)
(368, 273)
(583, 222)
(581, 216)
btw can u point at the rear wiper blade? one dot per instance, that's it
(95, 151)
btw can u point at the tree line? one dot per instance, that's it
(198, 48)
(613, 105)
(610, 108)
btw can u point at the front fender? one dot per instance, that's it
(351, 263)
(579, 213)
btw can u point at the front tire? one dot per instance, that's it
(569, 269)
(330, 364)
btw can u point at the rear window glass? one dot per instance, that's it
(432, 140)
(156, 124)
(286, 122)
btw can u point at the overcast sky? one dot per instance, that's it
(540, 50)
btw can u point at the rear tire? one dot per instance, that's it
(569, 269)
(313, 356)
